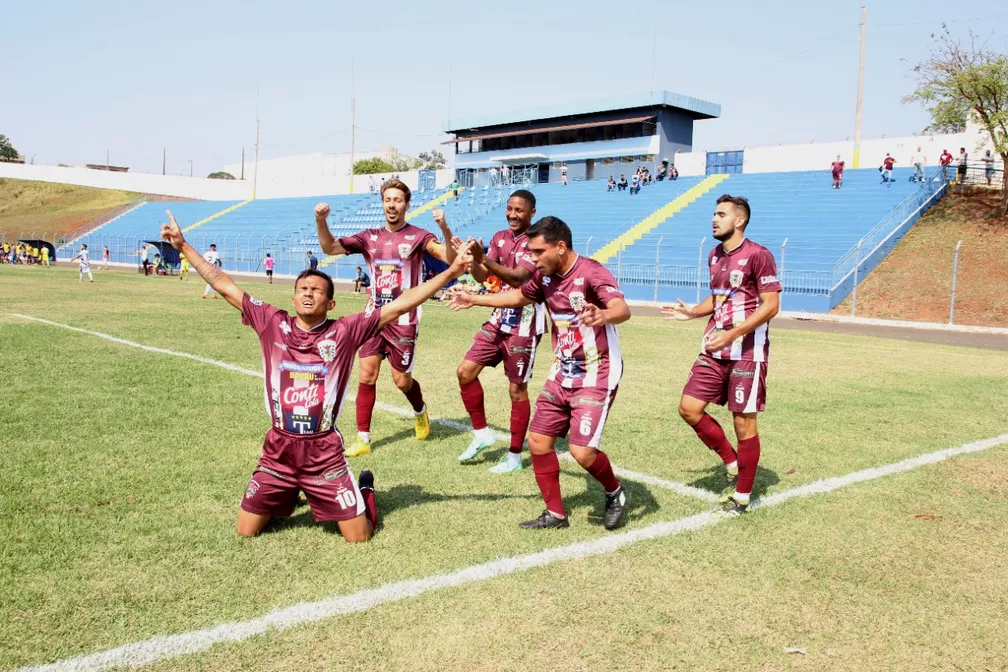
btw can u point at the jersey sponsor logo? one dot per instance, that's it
(735, 278)
(409, 237)
(577, 300)
(297, 367)
(327, 350)
(285, 328)
(404, 250)
(578, 282)
(254, 301)
(307, 397)
(584, 401)
(743, 262)
(767, 279)
(738, 373)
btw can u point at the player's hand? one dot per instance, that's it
(591, 316)
(680, 311)
(172, 233)
(462, 259)
(477, 251)
(717, 340)
(459, 298)
(321, 212)
(439, 218)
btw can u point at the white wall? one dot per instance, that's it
(144, 183)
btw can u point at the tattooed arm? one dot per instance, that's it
(217, 278)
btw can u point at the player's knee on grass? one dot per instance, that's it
(250, 524)
(356, 530)
(518, 392)
(584, 455)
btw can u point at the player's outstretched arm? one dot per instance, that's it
(445, 251)
(461, 300)
(686, 311)
(218, 279)
(514, 277)
(414, 296)
(327, 241)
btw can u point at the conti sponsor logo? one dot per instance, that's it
(302, 396)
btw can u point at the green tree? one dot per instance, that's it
(221, 175)
(433, 160)
(7, 150)
(957, 79)
(371, 166)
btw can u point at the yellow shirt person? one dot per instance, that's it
(45, 256)
(184, 269)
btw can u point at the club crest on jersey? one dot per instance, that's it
(577, 300)
(285, 328)
(735, 278)
(404, 250)
(327, 349)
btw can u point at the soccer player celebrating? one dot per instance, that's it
(585, 305)
(307, 360)
(394, 254)
(732, 365)
(509, 336)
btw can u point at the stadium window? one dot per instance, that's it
(626, 159)
(608, 161)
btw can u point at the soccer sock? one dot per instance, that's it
(472, 399)
(365, 406)
(713, 436)
(415, 397)
(547, 475)
(603, 473)
(748, 458)
(370, 508)
(521, 411)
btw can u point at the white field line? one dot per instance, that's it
(680, 488)
(170, 646)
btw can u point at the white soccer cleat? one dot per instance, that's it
(479, 443)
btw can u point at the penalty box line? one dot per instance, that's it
(674, 486)
(158, 648)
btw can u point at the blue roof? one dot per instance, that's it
(702, 108)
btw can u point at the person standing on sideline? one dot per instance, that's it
(988, 162)
(945, 160)
(143, 260)
(312, 262)
(918, 161)
(211, 257)
(105, 259)
(837, 169)
(84, 259)
(732, 364)
(183, 269)
(887, 168)
(268, 263)
(961, 168)
(563, 173)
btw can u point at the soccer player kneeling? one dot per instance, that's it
(307, 360)
(585, 305)
(732, 364)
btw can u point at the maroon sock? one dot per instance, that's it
(603, 473)
(713, 436)
(370, 508)
(748, 458)
(365, 406)
(547, 475)
(415, 396)
(472, 399)
(521, 411)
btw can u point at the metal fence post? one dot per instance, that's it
(588, 246)
(657, 268)
(857, 262)
(699, 274)
(783, 247)
(955, 271)
(619, 265)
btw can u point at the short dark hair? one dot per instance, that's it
(213, 245)
(396, 183)
(525, 195)
(739, 202)
(311, 273)
(552, 230)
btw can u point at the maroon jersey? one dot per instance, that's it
(511, 251)
(837, 167)
(888, 162)
(396, 262)
(306, 372)
(583, 356)
(736, 280)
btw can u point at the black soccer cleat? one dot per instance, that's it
(544, 522)
(732, 507)
(366, 481)
(615, 508)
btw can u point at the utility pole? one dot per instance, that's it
(106, 160)
(860, 90)
(164, 159)
(243, 163)
(190, 167)
(353, 123)
(255, 175)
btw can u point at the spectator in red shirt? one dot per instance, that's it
(837, 169)
(945, 160)
(887, 168)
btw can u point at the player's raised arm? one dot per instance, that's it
(218, 279)
(327, 241)
(414, 296)
(461, 300)
(444, 251)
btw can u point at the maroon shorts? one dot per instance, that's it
(314, 465)
(741, 384)
(394, 342)
(581, 411)
(491, 346)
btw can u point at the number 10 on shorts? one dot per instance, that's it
(347, 499)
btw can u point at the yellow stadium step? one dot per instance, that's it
(216, 215)
(651, 222)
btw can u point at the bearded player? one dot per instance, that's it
(585, 304)
(509, 336)
(732, 365)
(307, 360)
(394, 253)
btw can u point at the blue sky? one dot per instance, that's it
(133, 77)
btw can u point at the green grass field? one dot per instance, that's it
(121, 471)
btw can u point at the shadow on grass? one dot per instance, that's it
(714, 480)
(642, 503)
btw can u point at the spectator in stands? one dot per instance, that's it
(673, 172)
(918, 162)
(837, 169)
(635, 183)
(961, 169)
(988, 161)
(505, 173)
(455, 189)
(362, 281)
(945, 160)
(105, 258)
(612, 184)
(622, 182)
(269, 264)
(886, 169)
(662, 171)
(563, 173)
(312, 261)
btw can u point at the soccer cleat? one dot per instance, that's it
(732, 507)
(545, 521)
(358, 447)
(366, 481)
(729, 488)
(507, 465)
(204, 297)
(421, 424)
(476, 446)
(615, 507)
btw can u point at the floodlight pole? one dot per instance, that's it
(255, 175)
(353, 123)
(860, 90)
